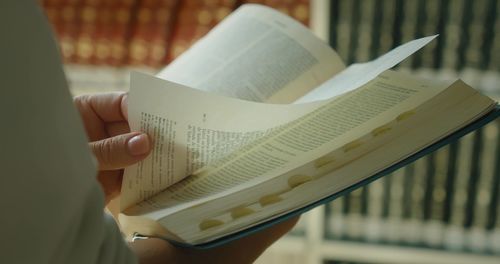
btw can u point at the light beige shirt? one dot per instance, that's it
(50, 202)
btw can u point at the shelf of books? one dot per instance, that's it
(444, 208)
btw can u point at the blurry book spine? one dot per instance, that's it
(335, 221)
(489, 33)
(438, 166)
(407, 213)
(485, 172)
(386, 199)
(113, 20)
(408, 27)
(493, 218)
(450, 183)
(354, 34)
(419, 31)
(452, 38)
(85, 45)
(430, 27)
(473, 182)
(298, 9)
(455, 232)
(373, 227)
(385, 36)
(364, 39)
(151, 32)
(476, 32)
(442, 20)
(494, 64)
(352, 210)
(343, 37)
(194, 20)
(414, 226)
(65, 19)
(395, 217)
(333, 23)
(466, 18)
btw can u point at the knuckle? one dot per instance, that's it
(104, 150)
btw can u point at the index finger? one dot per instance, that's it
(109, 107)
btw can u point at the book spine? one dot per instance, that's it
(475, 29)
(65, 19)
(407, 200)
(455, 233)
(435, 225)
(494, 64)
(373, 227)
(450, 183)
(471, 213)
(114, 19)
(151, 32)
(452, 38)
(334, 24)
(85, 45)
(408, 28)
(478, 234)
(394, 218)
(364, 39)
(335, 221)
(466, 18)
(489, 33)
(493, 218)
(344, 29)
(354, 34)
(353, 214)
(442, 19)
(382, 27)
(414, 227)
(194, 20)
(430, 27)
(386, 198)
(385, 36)
(419, 32)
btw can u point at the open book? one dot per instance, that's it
(260, 119)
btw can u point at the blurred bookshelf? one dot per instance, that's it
(443, 208)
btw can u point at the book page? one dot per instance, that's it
(191, 129)
(256, 54)
(358, 74)
(288, 139)
(219, 142)
(405, 137)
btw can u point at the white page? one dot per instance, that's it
(259, 121)
(190, 129)
(256, 54)
(359, 74)
(153, 103)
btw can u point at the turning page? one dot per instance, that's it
(359, 74)
(190, 129)
(256, 54)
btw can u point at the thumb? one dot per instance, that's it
(121, 151)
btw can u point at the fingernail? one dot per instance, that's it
(138, 145)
